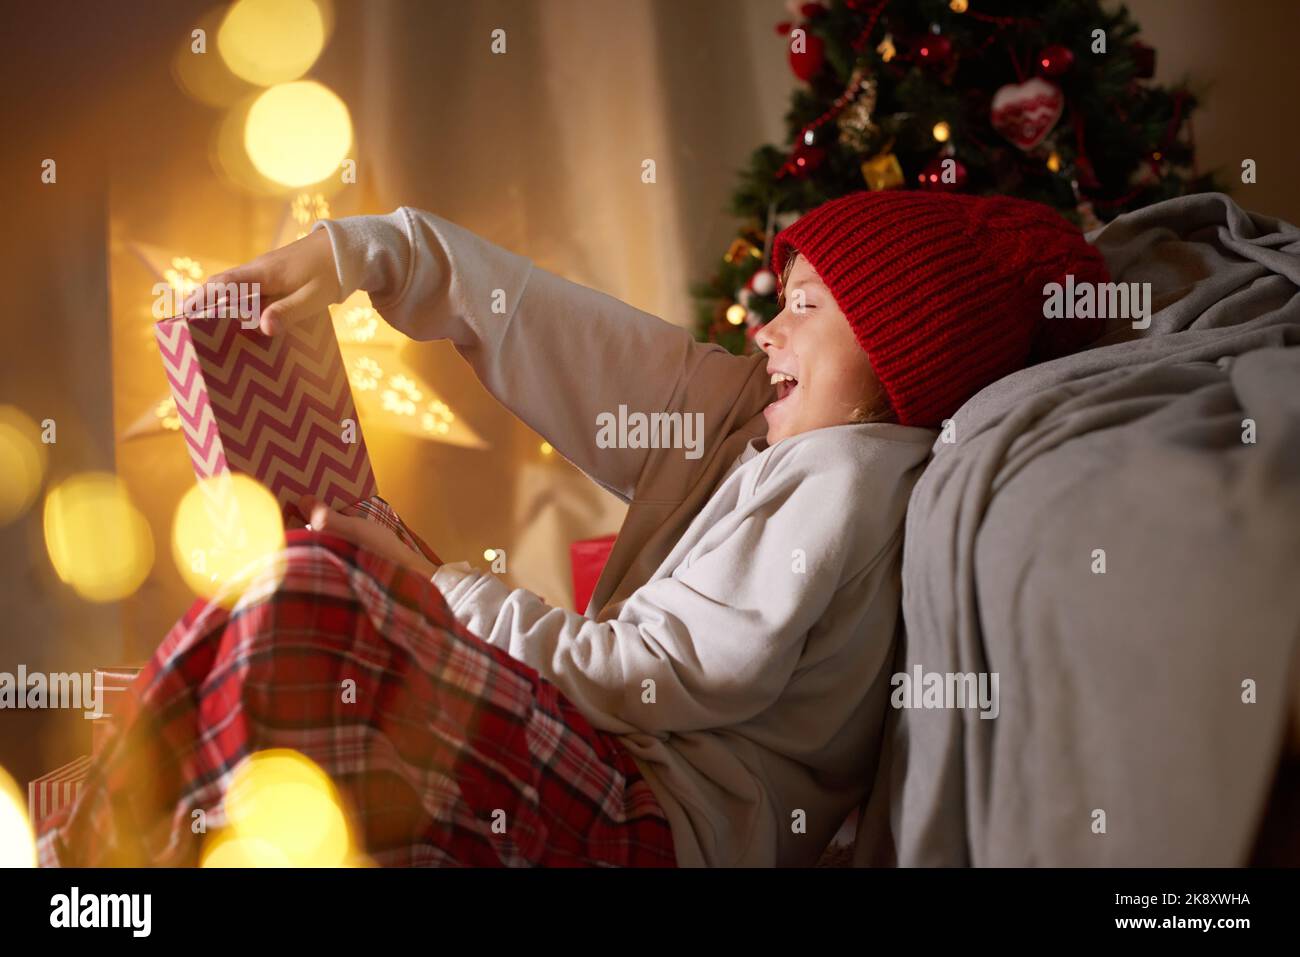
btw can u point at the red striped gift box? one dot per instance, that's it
(50, 792)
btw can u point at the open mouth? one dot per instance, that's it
(785, 384)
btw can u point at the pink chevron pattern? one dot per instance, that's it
(272, 408)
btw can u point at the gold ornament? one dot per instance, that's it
(958, 6)
(857, 131)
(886, 48)
(883, 171)
(739, 250)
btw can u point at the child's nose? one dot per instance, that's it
(769, 334)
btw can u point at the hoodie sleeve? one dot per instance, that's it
(557, 354)
(714, 644)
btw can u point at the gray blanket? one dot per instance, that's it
(1142, 709)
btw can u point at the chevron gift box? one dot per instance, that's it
(277, 408)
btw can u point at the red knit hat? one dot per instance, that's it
(943, 290)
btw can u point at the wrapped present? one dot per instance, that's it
(51, 792)
(277, 408)
(587, 558)
(111, 684)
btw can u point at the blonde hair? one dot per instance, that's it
(876, 409)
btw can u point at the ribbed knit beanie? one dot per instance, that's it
(943, 290)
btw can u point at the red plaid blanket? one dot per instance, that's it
(444, 737)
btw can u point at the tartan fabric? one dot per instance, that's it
(445, 732)
(376, 509)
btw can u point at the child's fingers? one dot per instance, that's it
(221, 290)
(325, 519)
(375, 538)
(293, 306)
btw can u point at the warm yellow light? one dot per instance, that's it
(365, 374)
(271, 41)
(490, 554)
(17, 842)
(98, 541)
(22, 463)
(357, 325)
(437, 418)
(168, 418)
(958, 6)
(228, 849)
(297, 133)
(886, 49)
(283, 811)
(226, 532)
(547, 448)
(183, 274)
(736, 313)
(1054, 162)
(942, 131)
(308, 209)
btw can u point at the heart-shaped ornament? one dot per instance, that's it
(1026, 112)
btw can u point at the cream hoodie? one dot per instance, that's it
(740, 640)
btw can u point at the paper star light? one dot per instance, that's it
(388, 392)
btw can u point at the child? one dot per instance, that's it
(727, 689)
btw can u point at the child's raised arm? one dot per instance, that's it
(562, 357)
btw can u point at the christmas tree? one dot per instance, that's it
(1048, 100)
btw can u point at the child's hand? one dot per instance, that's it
(368, 535)
(294, 281)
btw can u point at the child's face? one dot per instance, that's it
(812, 341)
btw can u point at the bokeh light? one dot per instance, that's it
(226, 531)
(205, 76)
(298, 133)
(271, 41)
(283, 811)
(98, 541)
(17, 842)
(228, 849)
(23, 458)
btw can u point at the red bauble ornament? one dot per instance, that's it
(1144, 60)
(934, 50)
(943, 174)
(805, 159)
(808, 64)
(1055, 60)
